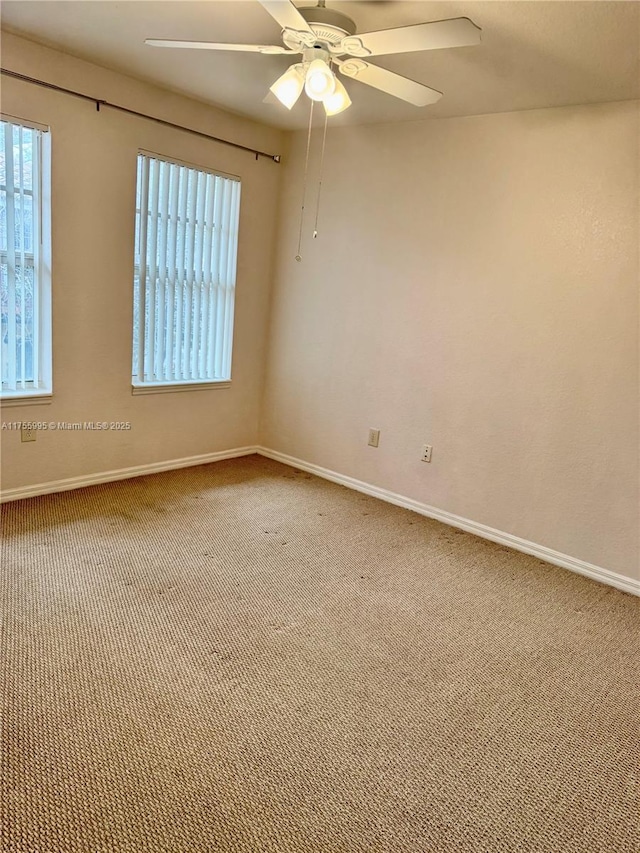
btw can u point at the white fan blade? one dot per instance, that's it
(455, 32)
(389, 82)
(286, 14)
(214, 45)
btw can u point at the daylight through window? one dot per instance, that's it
(24, 272)
(185, 269)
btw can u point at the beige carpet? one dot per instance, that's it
(241, 657)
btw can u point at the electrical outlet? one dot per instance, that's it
(426, 453)
(374, 437)
(27, 434)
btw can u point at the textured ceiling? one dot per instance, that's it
(533, 54)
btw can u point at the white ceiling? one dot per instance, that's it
(533, 54)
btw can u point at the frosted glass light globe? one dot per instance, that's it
(320, 82)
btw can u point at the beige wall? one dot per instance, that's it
(94, 169)
(474, 286)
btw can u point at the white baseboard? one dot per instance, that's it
(622, 582)
(121, 474)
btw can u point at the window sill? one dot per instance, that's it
(15, 398)
(170, 387)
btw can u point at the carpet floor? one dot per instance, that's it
(241, 657)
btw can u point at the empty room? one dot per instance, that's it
(320, 426)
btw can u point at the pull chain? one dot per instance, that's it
(304, 186)
(324, 139)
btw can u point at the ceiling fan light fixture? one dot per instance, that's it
(320, 81)
(288, 87)
(338, 101)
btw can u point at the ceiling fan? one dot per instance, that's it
(326, 38)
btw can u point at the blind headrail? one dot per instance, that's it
(99, 102)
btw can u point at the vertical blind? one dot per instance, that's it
(20, 152)
(185, 272)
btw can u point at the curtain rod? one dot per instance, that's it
(102, 103)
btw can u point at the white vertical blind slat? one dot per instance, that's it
(201, 184)
(208, 279)
(172, 275)
(152, 254)
(181, 231)
(143, 163)
(224, 277)
(161, 332)
(197, 278)
(190, 249)
(11, 256)
(215, 278)
(231, 272)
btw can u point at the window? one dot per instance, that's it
(24, 262)
(184, 279)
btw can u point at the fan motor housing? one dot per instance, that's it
(327, 24)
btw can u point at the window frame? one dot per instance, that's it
(40, 390)
(155, 386)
